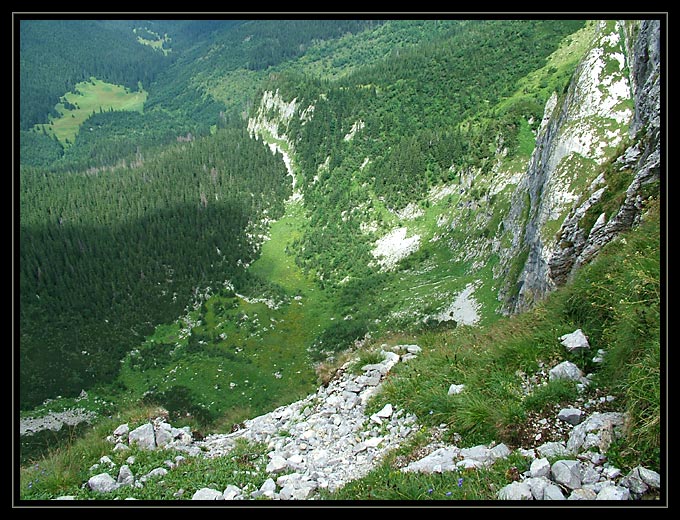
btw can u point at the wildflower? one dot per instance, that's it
(449, 493)
(429, 491)
(431, 412)
(460, 482)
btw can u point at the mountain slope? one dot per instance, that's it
(432, 188)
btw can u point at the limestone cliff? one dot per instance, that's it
(605, 127)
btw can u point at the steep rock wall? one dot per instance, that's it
(613, 98)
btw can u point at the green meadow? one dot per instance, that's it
(89, 97)
(153, 40)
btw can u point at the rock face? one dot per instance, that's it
(582, 131)
(643, 157)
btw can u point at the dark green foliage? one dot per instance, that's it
(39, 444)
(560, 391)
(38, 149)
(107, 255)
(150, 355)
(179, 402)
(427, 116)
(338, 337)
(111, 137)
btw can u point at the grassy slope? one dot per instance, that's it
(615, 300)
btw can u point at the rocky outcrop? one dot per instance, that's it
(578, 135)
(643, 157)
(55, 421)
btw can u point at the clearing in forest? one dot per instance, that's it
(89, 97)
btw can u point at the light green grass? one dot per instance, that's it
(90, 97)
(154, 40)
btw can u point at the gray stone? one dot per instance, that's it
(438, 461)
(613, 493)
(601, 423)
(649, 477)
(163, 435)
(353, 386)
(500, 451)
(537, 486)
(565, 370)
(575, 341)
(553, 492)
(375, 367)
(286, 492)
(540, 468)
(611, 472)
(122, 430)
(154, 473)
(125, 476)
(268, 488)
(455, 389)
(231, 492)
(359, 447)
(301, 493)
(181, 436)
(371, 380)
(515, 491)
(572, 416)
(589, 475)
(102, 483)
(207, 494)
(634, 482)
(385, 412)
(276, 464)
(480, 453)
(471, 464)
(373, 442)
(143, 436)
(552, 449)
(582, 494)
(567, 473)
(599, 358)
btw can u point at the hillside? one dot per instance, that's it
(368, 181)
